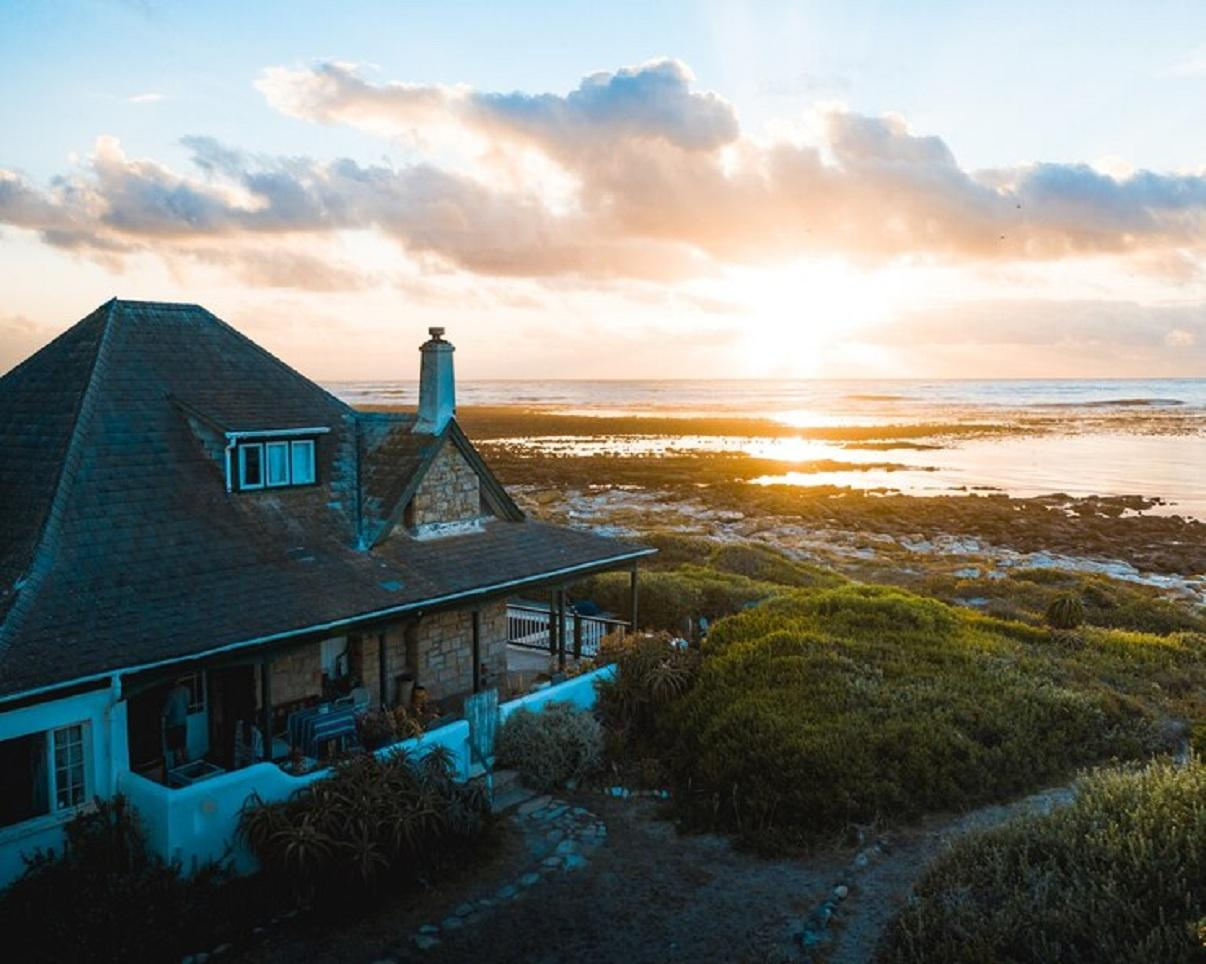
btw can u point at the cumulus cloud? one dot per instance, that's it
(663, 184)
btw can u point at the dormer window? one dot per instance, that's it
(302, 462)
(251, 466)
(276, 463)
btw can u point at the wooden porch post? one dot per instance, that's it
(553, 623)
(477, 650)
(382, 670)
(561, 629)
(577, 635)
(266, 706)
(633, 599)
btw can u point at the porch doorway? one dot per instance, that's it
(231, 700)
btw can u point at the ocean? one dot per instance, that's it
(1042, 436)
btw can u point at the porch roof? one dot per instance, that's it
(111, 628)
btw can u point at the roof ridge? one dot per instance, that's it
(280, 363)
(39, 562)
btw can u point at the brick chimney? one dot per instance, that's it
(437, 386)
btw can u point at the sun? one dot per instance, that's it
(805, 312)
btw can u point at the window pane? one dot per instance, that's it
(250, 474)
(303, 463)
(23, 788)
(196, 692)
(277, 455)
(69, 767)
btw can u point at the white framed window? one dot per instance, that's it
(69, 771)
(195, 683)
(43, 773)
(251, 466)
(333, 655)
(303, 462)
(276, 463)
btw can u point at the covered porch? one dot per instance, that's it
(304, 703)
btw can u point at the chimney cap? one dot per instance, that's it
(436, 332)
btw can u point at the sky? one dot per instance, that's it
(620, 190)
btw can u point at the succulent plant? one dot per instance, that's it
(1065, 612)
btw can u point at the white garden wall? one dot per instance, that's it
(198, 823)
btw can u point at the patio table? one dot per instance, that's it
(310, 728)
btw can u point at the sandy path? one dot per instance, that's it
(881, 889)
(649, 894)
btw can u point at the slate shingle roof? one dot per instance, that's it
(120, 547)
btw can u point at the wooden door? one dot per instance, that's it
(231, 699)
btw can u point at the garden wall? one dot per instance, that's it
(198, 823)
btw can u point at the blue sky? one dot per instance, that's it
(1120, 87)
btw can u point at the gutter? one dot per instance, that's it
(418, 605)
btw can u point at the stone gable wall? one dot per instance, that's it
(449, 492)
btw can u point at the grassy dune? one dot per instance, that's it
(1119, 876)
(819, 710)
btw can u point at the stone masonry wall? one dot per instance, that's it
(296, 675)
(449, 492)
(442, 651)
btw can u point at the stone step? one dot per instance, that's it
(509, 791)
(512, 798)
(504, 780)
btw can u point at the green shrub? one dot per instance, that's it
(766, 565)
(651, 673)
(752, 560)
(1119, 876)
(819, 710)
(107, 897)
(550, 747)
(1109, 602)
(675, 549)
(1065, 611)
(376, 820)
(675, 600)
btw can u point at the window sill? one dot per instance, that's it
(37, 825)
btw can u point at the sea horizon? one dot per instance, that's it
(1080, 437)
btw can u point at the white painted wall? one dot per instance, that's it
(198, 823)
(580, 691)
(106, 754)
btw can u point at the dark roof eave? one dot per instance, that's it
(434, 602)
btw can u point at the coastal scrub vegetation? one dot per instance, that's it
(1117, 876)
(105, 896)
(375, 821)
(551, 747)
(693, 578)
(1027, 594)
(820, 710)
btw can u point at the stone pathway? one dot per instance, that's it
(559, 838)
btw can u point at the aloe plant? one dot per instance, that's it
(1065, 612)
(396, 817)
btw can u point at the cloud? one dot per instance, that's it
(1193, 65)
(653, 101)
(148, 98)
(656, 180)
(1121, 325)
